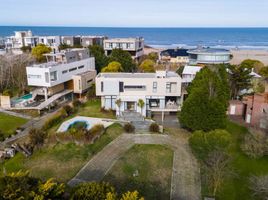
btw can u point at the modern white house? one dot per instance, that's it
(51, 41)
(66, 72)
(134, 46)
(203, 55)
(189, 72)
(20, 39)
(160, 92)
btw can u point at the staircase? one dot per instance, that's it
(137, 120)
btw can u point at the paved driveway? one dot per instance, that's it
(185, 181)
(170, 120)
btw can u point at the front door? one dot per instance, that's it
(131, 106)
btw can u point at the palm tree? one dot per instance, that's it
(118, 102)
(141, 104)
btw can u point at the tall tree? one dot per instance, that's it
(147, 66)
(124, 58)
(101, 59)
(205, 107)
(113, 67)
(239, 79)
(252, 64)
(39, 50)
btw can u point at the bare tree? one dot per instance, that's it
(216, 169)
(13, 71)
(259, 186)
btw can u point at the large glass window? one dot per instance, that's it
(53, 76)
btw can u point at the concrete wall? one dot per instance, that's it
(5, 102)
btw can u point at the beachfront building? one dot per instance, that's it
(51, 41)
(92, 40)
(209, 56)
(64, 73)
(71, 40)
(2, 42)
(160, 92)
(19, 40)
(135, 46)
(175, 56)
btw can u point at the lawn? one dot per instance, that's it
(92, 109)
(60, 161)
(8, 123)
(236, 186)
(154, 166)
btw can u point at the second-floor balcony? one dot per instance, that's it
(170, 106)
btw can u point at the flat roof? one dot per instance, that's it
(209, 51)
(191, 69)
(136, 75)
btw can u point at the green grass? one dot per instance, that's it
(60, 161)
(154, 165)
(8, 123)
(237, 186)
(92, 109)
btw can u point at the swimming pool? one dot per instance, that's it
(22, 98)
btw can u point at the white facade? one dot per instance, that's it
(189, 73)
(134, 46)
(51, 41)
(209, 56)
(159, 91)
(20, 39)
(53, 73)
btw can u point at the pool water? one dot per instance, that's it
(79, 125)
(22, 98)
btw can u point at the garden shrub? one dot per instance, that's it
(77, 103)
(53, 120)
(129, 128)
(96, 130)
(68, 109)
(154, 127)
(255, 144)
(203, 143)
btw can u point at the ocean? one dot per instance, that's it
(247, 38)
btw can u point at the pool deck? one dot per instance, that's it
(90, 120)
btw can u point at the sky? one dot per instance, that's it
(135, 13)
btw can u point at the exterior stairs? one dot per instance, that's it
(137, 120)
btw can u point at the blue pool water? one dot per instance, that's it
(86, 122)
(22, 98)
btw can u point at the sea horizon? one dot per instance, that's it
(163, 37)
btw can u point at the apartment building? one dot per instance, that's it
(51, 41)
(71, 40)
(160, 92)
(20, 39)
(92, 40)
(65, 72)
(135, 46)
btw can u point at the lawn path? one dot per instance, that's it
(185, 182)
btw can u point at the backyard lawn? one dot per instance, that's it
(8, 123)
(237, 185)
(92, 109)
(152, 165)
(60, 161)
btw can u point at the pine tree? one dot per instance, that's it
(205, 107)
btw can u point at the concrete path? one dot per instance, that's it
(185, 181)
